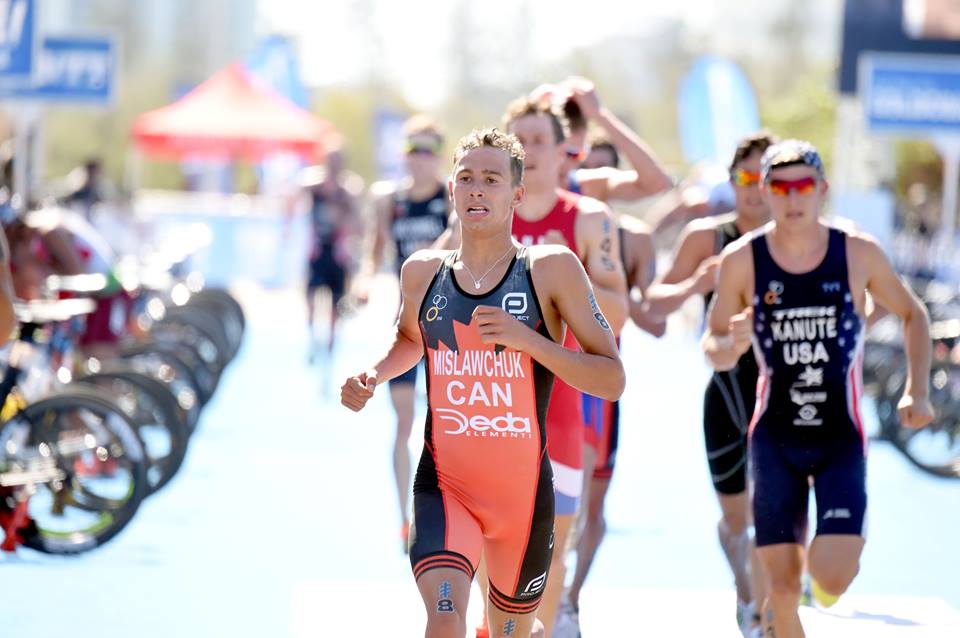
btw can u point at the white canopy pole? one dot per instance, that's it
(949, 147)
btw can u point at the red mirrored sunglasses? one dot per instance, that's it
(802, 186)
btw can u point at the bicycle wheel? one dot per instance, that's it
(226, 301)
(154, 411)
(213, 344)
(934, 448)
(82, 456)
(227, 310)
(173, 361)
(176, 378)
(196, 350)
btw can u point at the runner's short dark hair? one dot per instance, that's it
(524, 106)
(600, 142)
(757, 142)
(494, 138)
(575, 119)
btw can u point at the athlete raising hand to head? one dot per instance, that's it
(491, 318)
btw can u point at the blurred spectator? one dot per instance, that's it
(921, 214)
(59, 241)
(86, 187)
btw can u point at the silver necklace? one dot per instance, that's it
(477, 282)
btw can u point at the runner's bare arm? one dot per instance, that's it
(891, 293)
(378, 233)
(730, 319)
(407, 347)
(679, 206)
(597, 231)
(450, 238)
(692, 272)
(648, 175)
(566, 295)
(641, 265)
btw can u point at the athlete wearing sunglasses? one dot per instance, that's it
(728, 399)
(646, 177)
(423, 145)
(776, 187)
(742, 177)
(794, 292)
(802, 186)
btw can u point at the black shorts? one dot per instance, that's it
(728, 404)
(325, 272)
(408, 377)
(781, 473)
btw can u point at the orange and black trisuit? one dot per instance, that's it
(484, 481)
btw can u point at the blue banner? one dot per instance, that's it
(911, 94)
(275, 62)
(17, 40)
(717, 108)
(71, 69)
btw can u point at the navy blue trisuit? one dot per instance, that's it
(807, 426)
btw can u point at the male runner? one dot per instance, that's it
(602, 426)
(549, 214)
(334, 217)
(728, 399)
(795, 291)
(601, 175)
(490, 317)
(635, 254)
(411, 215)
(601, 153)
(607, 183)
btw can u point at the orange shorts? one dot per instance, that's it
(511, 524)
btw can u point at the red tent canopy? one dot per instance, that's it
(231, 115)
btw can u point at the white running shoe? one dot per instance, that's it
(747, 619)
(567, 623)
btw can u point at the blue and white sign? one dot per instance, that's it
(70, 69)
(911, 94)
(389, 141)
(17, 40)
